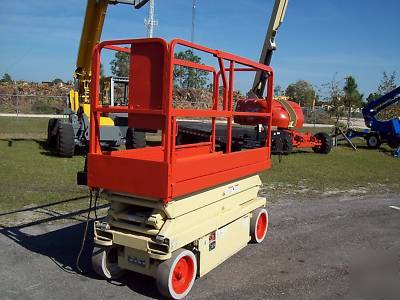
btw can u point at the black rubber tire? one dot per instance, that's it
(326, 141)
(52, 129)
(135, 139)
(373, 140)
(65, 140)
(165, 271)
(105, 262)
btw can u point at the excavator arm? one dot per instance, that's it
(371, 109)
(278, 13)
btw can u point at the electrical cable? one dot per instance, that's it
(95, 206)
(85, 232)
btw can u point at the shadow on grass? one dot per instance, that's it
(63, 244)
(41, 206)
(43, 146)
(299, 151)
(384, 150)
(295, 151)
(41, 143)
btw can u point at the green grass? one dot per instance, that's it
(315, 130)
(29, 176)
(24, 128)
(341, 172)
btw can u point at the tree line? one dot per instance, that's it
(7, 79)
(341, 96)
(183, 77)
(346, 90)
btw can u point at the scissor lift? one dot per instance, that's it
(176, 211)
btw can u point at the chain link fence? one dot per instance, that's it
(32, 104)
(192, 99)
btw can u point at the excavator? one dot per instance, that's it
(66, 135)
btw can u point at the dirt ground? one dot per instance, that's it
(335, 247)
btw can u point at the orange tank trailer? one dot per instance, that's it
(286, 115)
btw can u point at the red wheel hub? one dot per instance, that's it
(183, 274)
(262, 223)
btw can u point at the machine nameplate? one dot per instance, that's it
(137, 261)
(232, 189)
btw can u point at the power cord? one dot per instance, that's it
(95, 205)
(96, 196)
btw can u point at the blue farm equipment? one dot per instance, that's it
(380, 131)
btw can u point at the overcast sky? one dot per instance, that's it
(318, 39)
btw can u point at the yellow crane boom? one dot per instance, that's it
(278, 13)
(91, 33)
(64, 135)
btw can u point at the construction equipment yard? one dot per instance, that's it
(318, 228)
(324, 211)
(160, 167)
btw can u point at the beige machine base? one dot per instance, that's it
(214, 224)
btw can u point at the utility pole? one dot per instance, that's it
(193, 20)
(150, 22)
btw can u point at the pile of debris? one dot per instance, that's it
(199, 98)
(389, 113)
(32, 97)
(50, 98)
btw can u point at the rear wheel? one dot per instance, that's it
(373, 141)
(65, 140)
(135, 139)
(326, 143)
(259, 225)
(105, 262)
(175, 276)
(52, 129)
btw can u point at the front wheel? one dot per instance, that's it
(52, 129)
(373, 141)
(175, 276)
(65, 139)
(105, 262)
